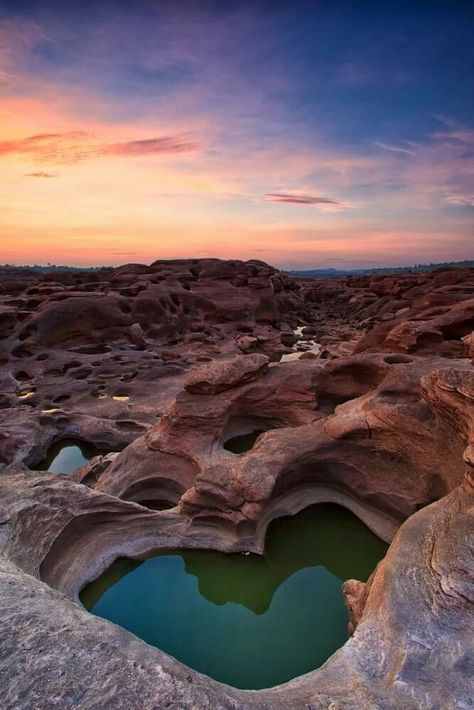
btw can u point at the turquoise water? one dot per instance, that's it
(246, 620)
(66, 455)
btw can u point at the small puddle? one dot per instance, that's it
(246, 620)
(308, 346)
(67, 455)
(289, 357)
(25, 395)
(157, 504)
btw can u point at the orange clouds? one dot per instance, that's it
(75, 146)
(195, 186)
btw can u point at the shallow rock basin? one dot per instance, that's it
(242, 442)
(67, 455)
(246, 620)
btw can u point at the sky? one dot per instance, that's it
(305, 134)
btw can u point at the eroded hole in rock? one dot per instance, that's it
(397, 359)
(241, 433)
(246, 620)
(81, 373)
(91, 349)
(129, 424)
(27, 332)
(427, 340)
(61, 398)
(457, 330)
(70, 365)
(128, 377)
(66, 455)
(21, 351)
(22, 375)
(242, 442)
(156, 493)
(328, 401)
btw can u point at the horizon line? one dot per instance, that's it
(204, 258)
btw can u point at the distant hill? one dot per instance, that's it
(326, 273)
(14, 268)
(302, 273)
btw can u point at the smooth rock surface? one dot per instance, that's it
(416, 617)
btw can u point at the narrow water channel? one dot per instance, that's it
(246, 620)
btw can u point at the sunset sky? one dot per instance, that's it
(305, 134)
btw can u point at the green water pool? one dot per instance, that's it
(246, 620)
(67, 455)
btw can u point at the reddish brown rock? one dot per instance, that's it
(249, 396)
(218, 377)
(148, 359)
(451, 393)
(84, 346)
(377, 417)
(429, 313)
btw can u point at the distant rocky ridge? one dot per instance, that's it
(316, 272)
(381, 420)
(379, 270)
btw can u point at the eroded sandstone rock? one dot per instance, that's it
(74, 341)
(414, 615)
(218, 377)
(382, 421)
(429, 313)
(357, 430)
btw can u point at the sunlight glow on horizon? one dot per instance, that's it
(137, 150)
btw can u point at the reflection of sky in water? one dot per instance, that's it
(64, 457)
(246, 620)
(310, 346)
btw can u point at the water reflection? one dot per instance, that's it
(246, 620)
(67, 455)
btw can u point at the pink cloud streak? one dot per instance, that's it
(299, 199)
(75, 146)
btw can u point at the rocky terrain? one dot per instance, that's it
(71, 345)
(166, 369)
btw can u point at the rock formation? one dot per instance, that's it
(425, 313)
(228, 438)
(73, 341)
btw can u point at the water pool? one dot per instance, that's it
(246, 620)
